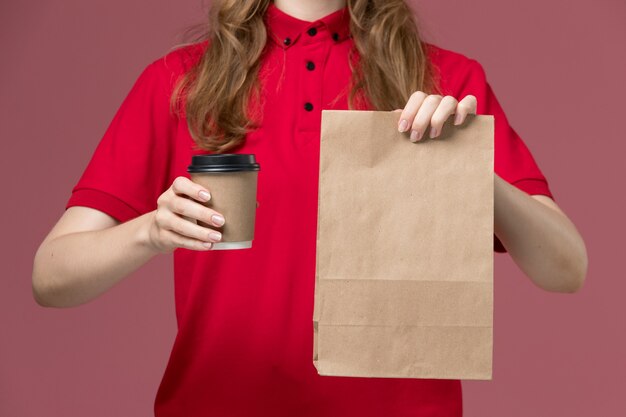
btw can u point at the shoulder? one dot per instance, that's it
(154, 86)
(169, 67)
(183, 57)
(446, 57)
(454, 69)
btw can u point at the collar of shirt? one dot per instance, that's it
(286, 30)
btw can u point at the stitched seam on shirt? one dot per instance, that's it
(281, 77)
(528, 179)
(110, 195)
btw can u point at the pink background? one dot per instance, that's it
(558, 70)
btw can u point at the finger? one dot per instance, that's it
(188, 229)
(467, 105)
(181, 241)
(446, 107)
(424, 114)
(410, 110)
(187, 207)
(184, 186)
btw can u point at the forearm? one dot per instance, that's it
(543, 242)
(78, 267)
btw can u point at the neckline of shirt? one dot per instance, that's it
(286, 30)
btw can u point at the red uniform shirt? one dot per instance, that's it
(244, 345)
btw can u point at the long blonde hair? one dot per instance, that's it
(393, 63)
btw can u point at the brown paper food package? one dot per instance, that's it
(404, 263)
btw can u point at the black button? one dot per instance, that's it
(312, 31)
(287, 41)
(335, 36)
(308, 106)
(310, 65)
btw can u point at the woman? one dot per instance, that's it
(244, 342)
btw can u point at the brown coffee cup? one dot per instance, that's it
(232, 182)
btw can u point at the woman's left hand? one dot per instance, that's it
(423, 110)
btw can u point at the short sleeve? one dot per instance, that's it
(513, 161)
(129, 168)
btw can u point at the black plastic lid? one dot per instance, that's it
(227, 162)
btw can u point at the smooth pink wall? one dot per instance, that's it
(558, 70)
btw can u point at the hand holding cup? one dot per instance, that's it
(174, 223)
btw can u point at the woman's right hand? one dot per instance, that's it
(172, 226)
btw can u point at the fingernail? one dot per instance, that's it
(207, 244)
(205, 196)
(404, 125)
(218, 220)
(215, 236)
(415, 135)
(433, 132)
(457, 118)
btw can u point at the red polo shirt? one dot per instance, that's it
(244, 345)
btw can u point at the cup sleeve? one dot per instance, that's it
(129, 168)
(513, 160)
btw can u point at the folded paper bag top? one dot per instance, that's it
(404, 262)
